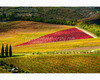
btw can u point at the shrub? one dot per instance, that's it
(11, 66)
(22, 71)
(47, 52)
(37, 53)
(1, 62)
(33, 52)
(90, 27)
(40, 53)
(56, 52)
(5, 66)
(53, 52)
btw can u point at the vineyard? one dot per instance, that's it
(27, 31)
(64, 35)
(62, 63)
(18, 32)
(43, 48)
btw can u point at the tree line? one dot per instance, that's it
(6, 52)
(12, 17)
(90, 27)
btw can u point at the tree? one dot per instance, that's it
(10, 51)
(6, 50)
(2, 50)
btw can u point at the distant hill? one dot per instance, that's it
(48, 13)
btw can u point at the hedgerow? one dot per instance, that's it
(90, 27)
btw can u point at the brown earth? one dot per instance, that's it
(82, 48)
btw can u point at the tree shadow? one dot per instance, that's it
(17, 55)
(12, 56)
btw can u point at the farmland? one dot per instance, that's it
(24, 31)
(62, 63)
(44, 47)
(64, 35)
(49, 40)
(21, 32)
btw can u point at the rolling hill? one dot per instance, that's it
(60, 47)
(48, 13)
(24, 31)
(63, 35)
(62, 63)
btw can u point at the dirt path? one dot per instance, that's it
(82, 48)
(87, 32)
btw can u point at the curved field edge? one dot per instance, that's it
(85, 63)
(53, 46)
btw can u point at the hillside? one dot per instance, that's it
(22, 31)
(45, 14)
(49, 40)
(63, 35)
(18, 32)
(62, 63)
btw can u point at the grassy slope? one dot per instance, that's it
(22, 31)
(85, 63)
(57, 45)
(47, 63)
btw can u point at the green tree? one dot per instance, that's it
(2, 50)
(10, 51)
(6, 50)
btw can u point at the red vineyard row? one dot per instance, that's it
(64, 35)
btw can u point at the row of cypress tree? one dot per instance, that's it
(6, 51)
